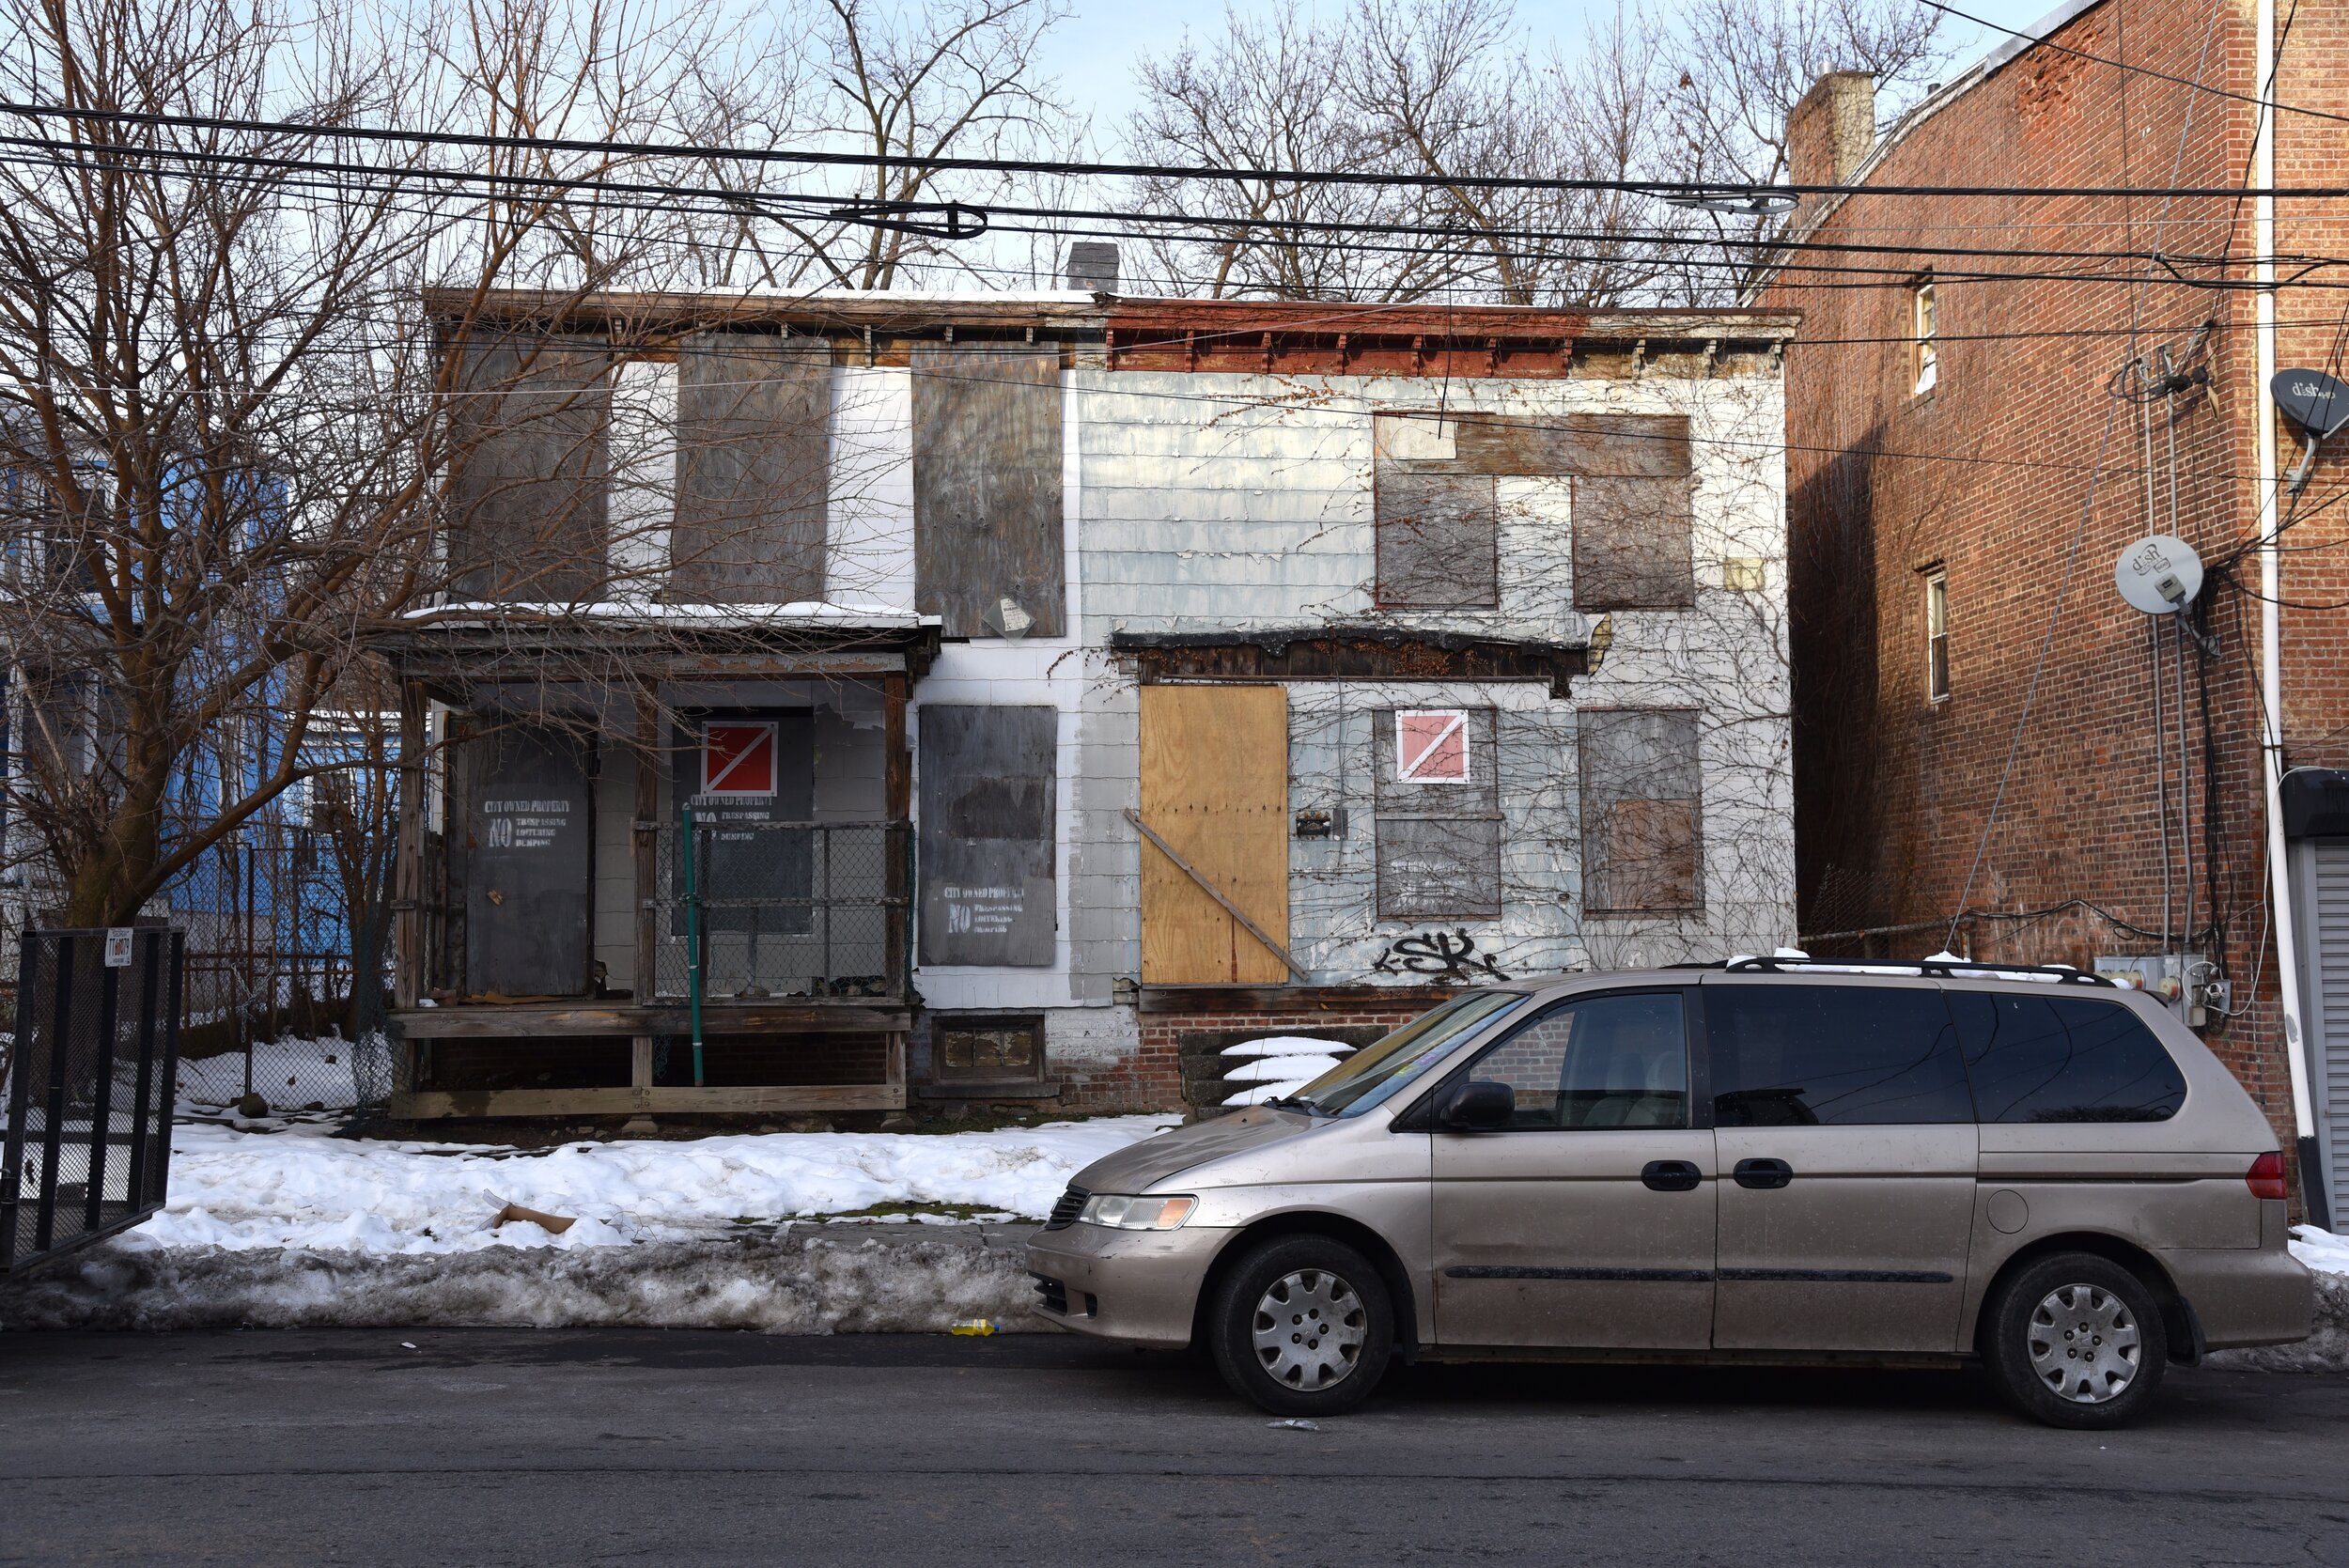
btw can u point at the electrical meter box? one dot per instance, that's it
(2190, 983)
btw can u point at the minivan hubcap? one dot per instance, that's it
(1308, 1328)
(2084, 1344)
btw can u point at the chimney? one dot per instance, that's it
(1092, 266)
(1830, 131)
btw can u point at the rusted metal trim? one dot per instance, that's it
(1340, 653)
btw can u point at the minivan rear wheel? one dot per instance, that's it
(1302, 1326)
(2076, 1340)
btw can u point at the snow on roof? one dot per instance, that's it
(648, 612)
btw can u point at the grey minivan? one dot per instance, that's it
(1766, 1160)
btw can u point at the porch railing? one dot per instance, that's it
(787, 909)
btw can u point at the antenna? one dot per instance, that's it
(2160, 575)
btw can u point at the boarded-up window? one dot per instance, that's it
(754, 416)
(983, 1049)
(1438, 840)
(1632, 549)
(987, 490)
(527, 470)
(744, 772)
(986, 829)
(1439, 538)
(1640, 811)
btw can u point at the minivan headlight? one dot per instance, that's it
(1121, 1213)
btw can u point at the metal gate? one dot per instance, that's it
(89, 1087)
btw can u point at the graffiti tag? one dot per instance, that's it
(1449, 955)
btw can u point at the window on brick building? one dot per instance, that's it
(1937, 635)
(1928, 341)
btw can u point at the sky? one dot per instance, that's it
(1092, 52)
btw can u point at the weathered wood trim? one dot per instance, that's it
(554, 1021)
(408, 880)
(897, 785)
(1342, 653)
(1289, 999)
(644, 836)
(438, 1104)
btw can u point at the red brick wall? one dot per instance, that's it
(2019, 449)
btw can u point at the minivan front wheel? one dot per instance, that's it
(2076, 1340)
(1302, 1326)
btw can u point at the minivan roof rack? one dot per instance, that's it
(1782, 964)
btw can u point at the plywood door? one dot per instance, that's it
(1214, 785)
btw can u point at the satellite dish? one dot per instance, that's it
(2158, 575)
(2316, 402)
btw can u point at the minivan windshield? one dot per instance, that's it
(1376, 1071)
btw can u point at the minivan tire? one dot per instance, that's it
(1329, 1353)
(2074, 1340)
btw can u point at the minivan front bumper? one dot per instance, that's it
(1138, 1287)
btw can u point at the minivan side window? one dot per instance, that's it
(1618, 1061)
(2063, 1059)
(1796, 1056)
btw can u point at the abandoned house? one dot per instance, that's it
(854, 701)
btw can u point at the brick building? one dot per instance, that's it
(1069, 684)
(1990, 397)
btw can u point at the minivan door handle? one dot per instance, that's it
(1671, 1175)
(1764, 1175)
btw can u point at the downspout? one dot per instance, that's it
(2312, 1195)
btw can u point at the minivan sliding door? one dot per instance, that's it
(1847, 1147)
(1587, 1221)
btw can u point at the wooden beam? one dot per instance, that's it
(526, 1020)
(434, 1105)
(1217, 893)
(897, 787)
(646, 839)
(408, 878)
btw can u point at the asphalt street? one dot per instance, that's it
(496, 1446)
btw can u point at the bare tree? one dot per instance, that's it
(224, 424)
(1453, 95)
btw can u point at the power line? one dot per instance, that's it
(617, 147)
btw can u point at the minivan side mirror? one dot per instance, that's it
(1478, 1106)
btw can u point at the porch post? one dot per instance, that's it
(409, 879)
(899, 806)
(647, 843)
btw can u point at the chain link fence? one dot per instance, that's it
(786, 908)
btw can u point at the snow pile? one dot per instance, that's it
(292, 1071)
(802, 1280)
(1278, 1065)
(302, 1189)
(2321, 1251)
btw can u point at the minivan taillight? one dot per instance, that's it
(2266, 1178)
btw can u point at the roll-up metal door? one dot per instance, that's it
(2324, 899)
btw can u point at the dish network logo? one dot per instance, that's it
(738, 757)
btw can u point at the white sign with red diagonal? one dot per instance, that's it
(1432, 746)
(738, 757)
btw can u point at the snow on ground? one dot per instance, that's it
(302, 1189)
(293, 1073)
(2322, 1251)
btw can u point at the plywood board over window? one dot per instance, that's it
(1215, 786)
(1632, 544)
(989, 893)
(1438, 812)
(1438, 539)
(987, 548)
(752, 468)
(1642, 812)
(528, 470)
